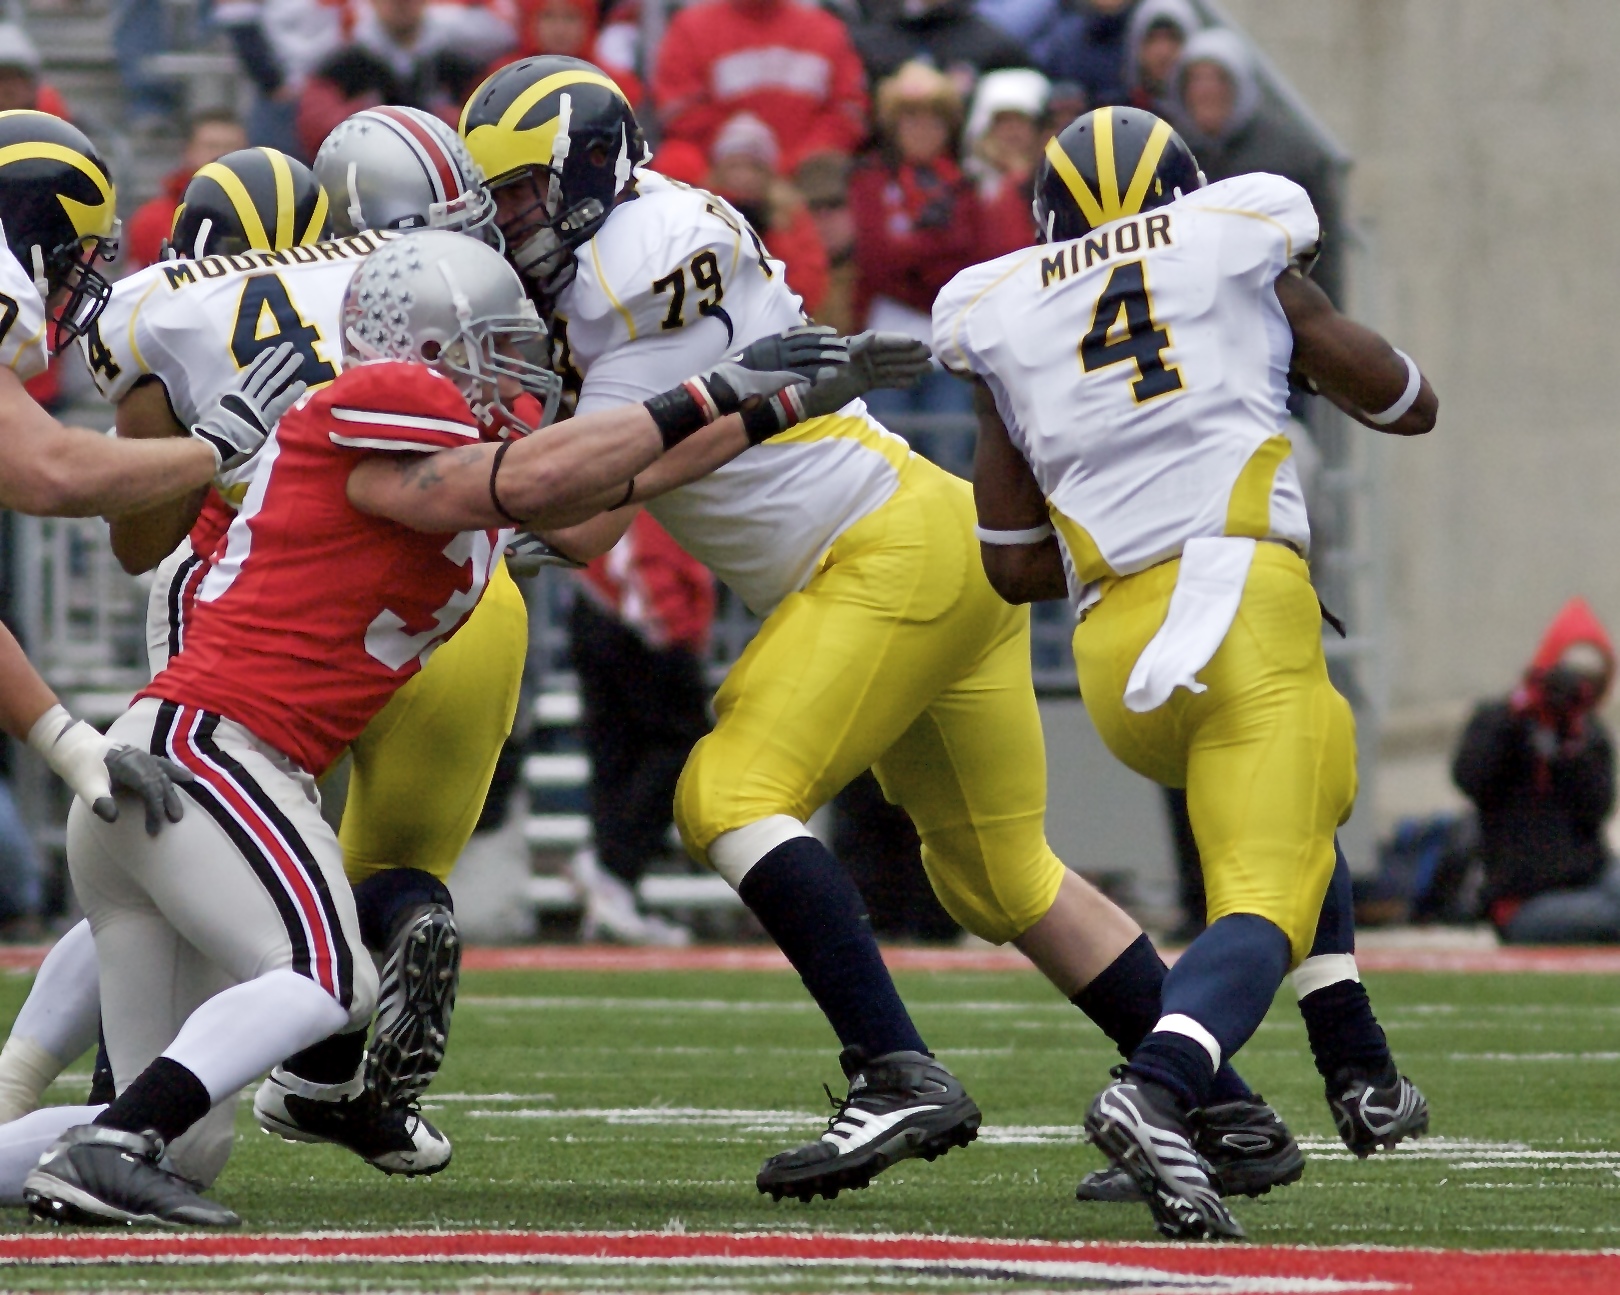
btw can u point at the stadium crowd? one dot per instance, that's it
(879, 146)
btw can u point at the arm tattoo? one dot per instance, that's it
(426, 471)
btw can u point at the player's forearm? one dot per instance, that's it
(141, 540)
(74, 472)
(24, 696)
(571, 471)
(1353, 366)
(695, 457)
(1025, 573)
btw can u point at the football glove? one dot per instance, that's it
(527, 552)
(237, 423)
(813, 350)
(97, 769)
(875, 360)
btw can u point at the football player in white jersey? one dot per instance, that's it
(248, 271)
(1131, 376)
(883, 645)
(57, 210)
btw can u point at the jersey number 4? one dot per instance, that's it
(1124, 330)
(266, 295)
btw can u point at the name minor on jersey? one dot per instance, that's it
(180, 273)
(1142, 233)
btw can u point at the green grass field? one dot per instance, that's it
(647, 1101)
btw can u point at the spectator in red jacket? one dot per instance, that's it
(1004, 142)
(917, 223)
(789, 64)
(639, 629)
(566, 27)
(744, 173)
(212, 135)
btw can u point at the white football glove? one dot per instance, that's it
(237, 423)
(97, 769)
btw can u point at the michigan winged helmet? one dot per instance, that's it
(255, 199)
(559, 144)
(59, 210)
(1108, 164)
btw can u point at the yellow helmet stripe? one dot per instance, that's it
(236, 191)
(539, 90)
(59, 153)
(317, 219)
(1064, 166)
(282, 174)
(1107, 179)
(1152, 151)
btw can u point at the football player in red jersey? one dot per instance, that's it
(232, 941)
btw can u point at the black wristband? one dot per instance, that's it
(680, 411)
(494, 498)
(774, 414)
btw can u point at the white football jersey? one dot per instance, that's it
(23, 346)
(195, 325)
(1142, 372)
(673, 282)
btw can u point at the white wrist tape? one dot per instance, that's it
(1030, 535)
(1414, 384)
(76, 753)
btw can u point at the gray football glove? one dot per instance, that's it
(237, 423)
(150, 777)
(813, 350)
(526, 553)
(875, 360)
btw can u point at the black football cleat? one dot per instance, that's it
(101, 1177)
(415, 999)
(1376, 1114)
(395, 1139)
(1139, 1127)
(1248, 1148)
(901, 1106)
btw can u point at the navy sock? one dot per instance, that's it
(334, 1060)
(1345, 1035)
(384, 898)
(1336, 926)
(1125, 1002)
(165, 1097)
(811, 908)
(1225, 981)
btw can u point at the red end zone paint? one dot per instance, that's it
(583, 957)
(1230, 1268)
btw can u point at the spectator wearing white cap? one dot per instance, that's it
(20, 86)
(1003, 144)
(745, 160)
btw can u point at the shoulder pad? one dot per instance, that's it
(393, 405)
(1269, 198)
(643, 243)
(959, 298)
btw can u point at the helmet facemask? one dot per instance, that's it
(71, 268)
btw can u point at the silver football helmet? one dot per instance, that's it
(454, 304)
(402, 168)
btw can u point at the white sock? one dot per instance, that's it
(24, 1141)
(57, 1023)
(241, 1033)
(63, 1009)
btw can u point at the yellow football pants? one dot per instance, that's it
(1267, 752)
(899, 657)
(423, 766)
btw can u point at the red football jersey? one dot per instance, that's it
(314, 612)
